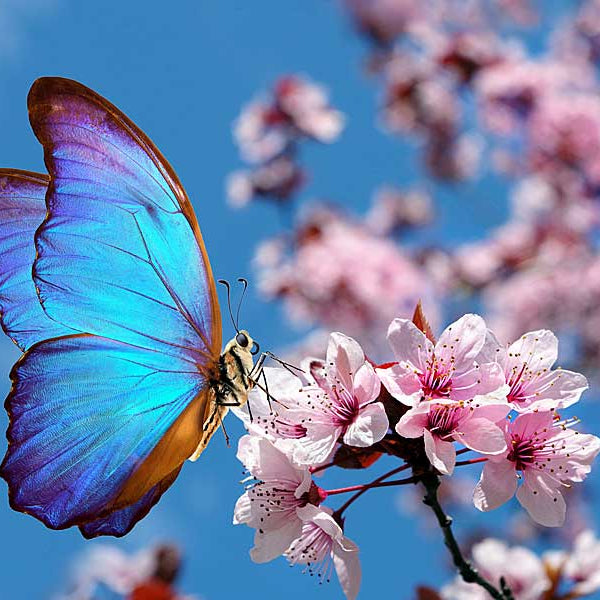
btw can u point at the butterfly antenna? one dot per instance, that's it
(244, 282)
(293, 369)
(226, 284)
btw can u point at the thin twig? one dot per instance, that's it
(358, 494)
(431, 482)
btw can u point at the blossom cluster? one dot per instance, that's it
(268, 132)
(502, 403)
(569, 574)
(341, 274)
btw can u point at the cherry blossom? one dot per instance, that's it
(546, 455)
(340, 406)
(447, 371)
(335, 402)
(266, 128)
(339, 274)
(270, 505)
(322, 547)
(582, 565)
(527, 365)
(523, 570)
(471, 423)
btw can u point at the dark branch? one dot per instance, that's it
(431, 482)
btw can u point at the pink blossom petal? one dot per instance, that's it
(271, 544)
(463, 340)
(565, 390)
(542, 499)
(347, 356)
(478, 381)
(413, 422)
(347, 566)
(369, 427)
(408, 343)
(242, 512)
(366, 385)
(497, 485)
(401, 384)
(441, 454)
(538, 348)
(318, 445)
(492, 350)
(482, 435)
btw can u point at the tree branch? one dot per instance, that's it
(431, 482)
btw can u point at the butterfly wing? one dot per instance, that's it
(100, 421)
(120, 522)
(87, 415)
(22, 210)
(120, 254)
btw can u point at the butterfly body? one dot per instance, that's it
(106, 286)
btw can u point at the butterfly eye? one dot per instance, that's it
(241, 340)
(255, 349)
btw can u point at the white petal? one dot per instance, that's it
(241, 512)
(369, 427)
(542, 499)
(271, 544)
(539, 349)
(347, 566)
(347, 357)
(366, 384)
(497, 485)
(463, 340)
(441, 454)
(408, 343)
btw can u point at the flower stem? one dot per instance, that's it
(472, 461)
(431, 482)
(368, 486)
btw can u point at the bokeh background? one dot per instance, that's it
(182, 70)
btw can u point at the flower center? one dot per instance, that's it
(344, 409)
(313, 549)
(522, 452)
(442, 420)
(526, 384)
(436, 380)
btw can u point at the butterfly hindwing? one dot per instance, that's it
(22, 210)
(85, 413)
(121, 521)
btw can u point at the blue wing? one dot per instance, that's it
(101, 422)
(120, 253)
(22, 210)
(86, 414)
(120, 522)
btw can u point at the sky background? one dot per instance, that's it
(182, 70)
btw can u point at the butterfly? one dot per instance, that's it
(106, 287)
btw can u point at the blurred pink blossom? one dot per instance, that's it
(394, 210)
(523, 570)
(384, 20)
(279, 179)
(547, 455)
(342, 276)
(582, 564)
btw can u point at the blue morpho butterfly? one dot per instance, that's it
(106, 286)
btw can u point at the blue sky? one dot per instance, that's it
(181, 70)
